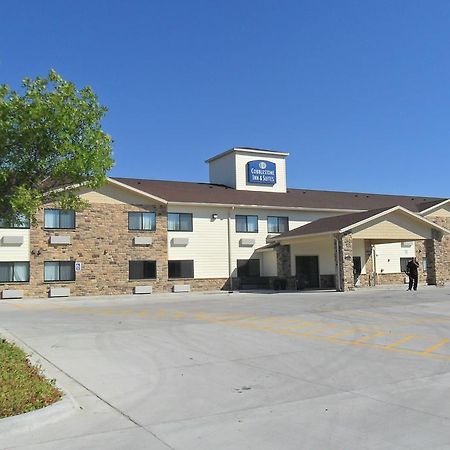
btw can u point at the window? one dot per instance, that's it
(59, 271)
(277, 224)
(246, 224)
(181, 269)
(17, 222)
(14, 272)
(248, 268)
(142, 221)
(403, 263)
(59, 218)
(424, 263)
(179, 222)
(141, 270)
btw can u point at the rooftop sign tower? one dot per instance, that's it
(249, 169)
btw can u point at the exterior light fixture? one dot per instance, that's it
(214, 216)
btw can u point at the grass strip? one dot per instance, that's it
(22, 386)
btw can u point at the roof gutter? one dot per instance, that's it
(290, 208)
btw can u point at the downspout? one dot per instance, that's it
(230, 270)
(338, 275)
(374, 265)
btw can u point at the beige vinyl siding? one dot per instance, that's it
(207, 245)
(268, 264)
(208, 242)
(115, 195)
(222, 170)
(388, 256)
(15, 252)
(441, 212)
(394, 226)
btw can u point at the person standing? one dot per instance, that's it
(413, 273)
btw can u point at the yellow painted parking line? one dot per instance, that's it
(435, 346)
(180, 314)
(314, 331)
(143, 313)
(400, 341)
(304, 324)
(369, 337)
(346, 332)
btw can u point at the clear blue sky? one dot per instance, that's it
(357, 91)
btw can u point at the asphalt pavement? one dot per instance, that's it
(262, 371)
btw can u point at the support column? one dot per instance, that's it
(283, 261)
(343, 245)
(436, 262)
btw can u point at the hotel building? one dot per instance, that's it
(245, 229)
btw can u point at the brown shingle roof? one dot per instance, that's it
(180, 191)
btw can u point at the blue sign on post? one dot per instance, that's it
(261, 172)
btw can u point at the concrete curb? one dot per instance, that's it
(41, 417)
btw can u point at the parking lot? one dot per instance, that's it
(321, 370)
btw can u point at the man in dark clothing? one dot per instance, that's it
(412, 272)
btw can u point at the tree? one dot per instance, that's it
(51, 143)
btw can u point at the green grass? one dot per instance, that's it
(22, 386)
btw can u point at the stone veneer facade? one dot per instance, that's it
(103, 245)
(343, 246)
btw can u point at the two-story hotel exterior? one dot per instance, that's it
(244, 229)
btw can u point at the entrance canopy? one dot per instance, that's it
(342, 241)
(384, 225)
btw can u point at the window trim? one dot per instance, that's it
(169, 277)
(17, 262)
(141, 221)
(61, 228)
(278, 223)
(142, 261)
(246, 223)
(179, 214)
(59, 280)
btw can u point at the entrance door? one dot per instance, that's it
(307, 272)
(356, 269)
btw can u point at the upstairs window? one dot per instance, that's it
(17, 222)
(248, 268)
(277, 224)
(179, 222)
(59, 271)
(145, 221)
(246, 224)
(14, 272)
(59, 219)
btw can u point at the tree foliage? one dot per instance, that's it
(51, 143)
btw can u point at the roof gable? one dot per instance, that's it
(358, 222)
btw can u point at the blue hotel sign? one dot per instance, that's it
(261, 172)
